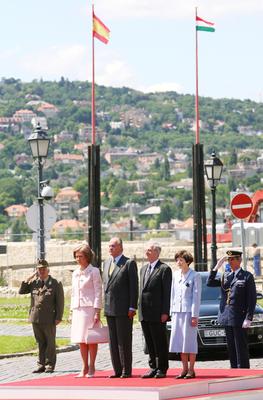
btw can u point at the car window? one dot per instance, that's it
(209, 293)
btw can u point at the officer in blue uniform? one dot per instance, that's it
(237, 306)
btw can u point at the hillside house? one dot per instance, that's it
(16, 211)
(67, 202)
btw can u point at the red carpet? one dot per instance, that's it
(101, 378)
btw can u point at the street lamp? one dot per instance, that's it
(213, 170)
(39, 144)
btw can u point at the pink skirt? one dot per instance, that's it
(82, 321)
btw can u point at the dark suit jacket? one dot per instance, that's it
(242, 297)
(155, 295)
(121, 288)
(47, 303)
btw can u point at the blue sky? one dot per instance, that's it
(152, 44)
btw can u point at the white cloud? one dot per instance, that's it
(54, 62)
(73, 62)
(115, 73)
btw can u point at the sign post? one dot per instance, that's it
(241, 208)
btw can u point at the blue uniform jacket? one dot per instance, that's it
(238, 297)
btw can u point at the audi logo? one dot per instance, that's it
(214, 322)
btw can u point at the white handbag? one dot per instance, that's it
(98, 334)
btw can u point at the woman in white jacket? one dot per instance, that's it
(86, 303)
(185, 304)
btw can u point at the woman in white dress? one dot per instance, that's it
(86, 303)
(185, 304)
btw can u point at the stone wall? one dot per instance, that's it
(19, 261)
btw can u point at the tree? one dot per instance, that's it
(165, 170)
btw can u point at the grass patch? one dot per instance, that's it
(18, 308)
(20, 344)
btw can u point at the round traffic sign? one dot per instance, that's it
(241, 206)
(32, 217)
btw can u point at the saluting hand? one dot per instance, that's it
(220, 262)
(32, 277)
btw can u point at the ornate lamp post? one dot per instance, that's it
(213, 170)
(39, 144)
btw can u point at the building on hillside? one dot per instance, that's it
(69, 227)
(150, 211)
(186, 183)
(68, 158)
(145, 161)
(24, 115)
(67, 202)
(115, 155)
(48, 109)
(22, 159)
(63, 136)
(16, 210)
(184, 230)
(83, 213)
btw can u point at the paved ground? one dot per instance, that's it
(19, 368)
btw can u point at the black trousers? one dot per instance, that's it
(45, 335)
(120, 331)
(156, 341)
(237, 346)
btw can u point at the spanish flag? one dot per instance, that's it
(100, 31)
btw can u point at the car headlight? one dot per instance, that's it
(258, 318)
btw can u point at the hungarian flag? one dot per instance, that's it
(202, 25)
(100, 31)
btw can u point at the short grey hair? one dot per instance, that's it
(155, 245)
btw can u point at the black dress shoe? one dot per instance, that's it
(115, 376)
(149, 374)
(181, 376)
(49, 370)
(38, 370)
(159, 374)
(190, 375)
(126, 376)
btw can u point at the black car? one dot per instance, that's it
(211, 335)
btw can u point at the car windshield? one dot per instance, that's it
(209, 293)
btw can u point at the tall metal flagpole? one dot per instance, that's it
(200, 233)
(197, 135)
(94, 222)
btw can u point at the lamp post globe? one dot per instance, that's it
(39, 145)
(213, 170)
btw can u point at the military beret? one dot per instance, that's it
(234, 253)
(42, 263)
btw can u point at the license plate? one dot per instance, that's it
(214, 333)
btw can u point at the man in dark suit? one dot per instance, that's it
(46, 311)
(154, 308)
(120, 279)
(237, 306)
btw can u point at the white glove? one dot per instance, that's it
(220, 262)
(246, 324)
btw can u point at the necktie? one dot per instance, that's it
(112, 266)
(42, 284)
(148, 272)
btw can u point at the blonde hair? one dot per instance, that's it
(86, 251)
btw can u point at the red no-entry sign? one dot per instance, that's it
(241, 206)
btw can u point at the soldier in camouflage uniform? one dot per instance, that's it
(46, 311)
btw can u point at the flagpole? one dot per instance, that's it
(93, 116)
(196, 84)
